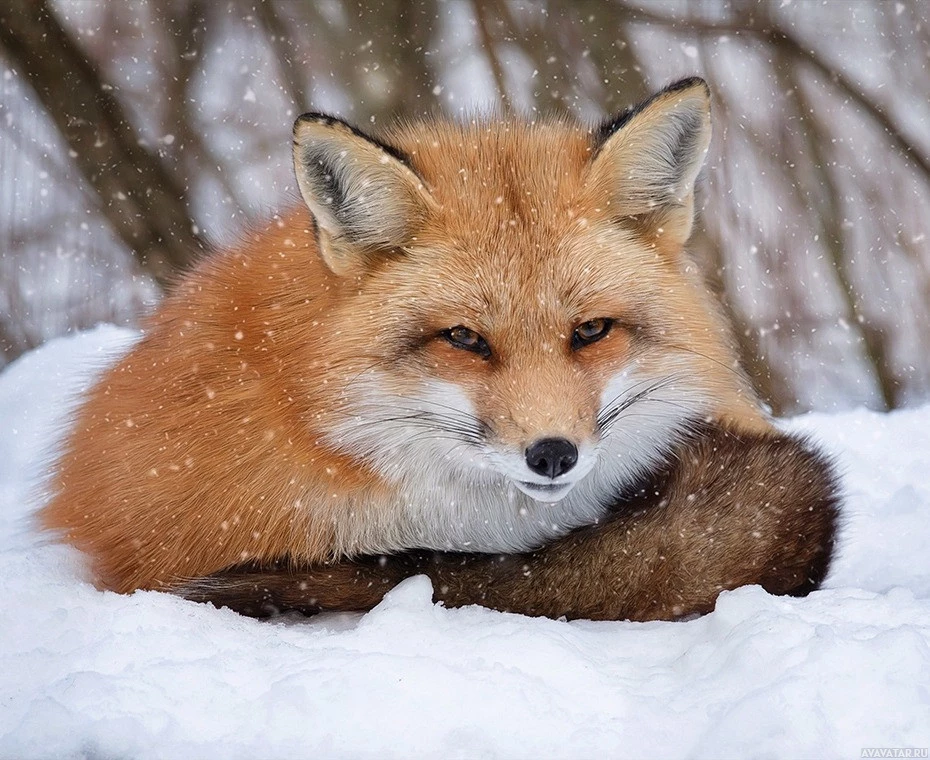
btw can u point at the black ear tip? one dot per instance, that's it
(686, 84)
(316, 117)
(611, 126)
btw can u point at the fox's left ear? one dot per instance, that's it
(647, 159)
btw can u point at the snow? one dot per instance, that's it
(91, 674)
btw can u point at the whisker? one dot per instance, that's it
(735, 370)
(628, 397)
(626, 391)
(608, 416)
(424, 423)
(459, 423)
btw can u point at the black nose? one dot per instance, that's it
(552, 456)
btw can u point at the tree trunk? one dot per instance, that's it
(146, 207)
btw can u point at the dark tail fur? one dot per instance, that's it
(730, 509)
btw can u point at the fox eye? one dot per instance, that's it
(467, 340)
(590, 332)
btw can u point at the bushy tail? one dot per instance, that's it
(730, 509)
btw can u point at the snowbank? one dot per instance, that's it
(84, 673)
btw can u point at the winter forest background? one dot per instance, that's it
(135, 136)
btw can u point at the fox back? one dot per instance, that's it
(472, 337)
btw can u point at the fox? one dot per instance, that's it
(470, 337)
(727, 509)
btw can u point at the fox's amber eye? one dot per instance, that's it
(590, 332)
(467, 340)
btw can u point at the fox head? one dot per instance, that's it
(520, 293)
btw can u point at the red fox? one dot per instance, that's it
(472, 338)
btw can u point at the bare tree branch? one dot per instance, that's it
(874, 341)
(617, 62)
(490, 45)
(768, 380)
(186, 38)
(786, 41)
(144, 205)
(415, 24)
(912, 153)
(281, 43)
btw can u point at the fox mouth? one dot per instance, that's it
(545, 492)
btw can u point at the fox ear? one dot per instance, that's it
(646, 160)
(363, 194)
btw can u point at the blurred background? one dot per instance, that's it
(136, 136)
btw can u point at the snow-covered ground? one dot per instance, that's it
(91, 674)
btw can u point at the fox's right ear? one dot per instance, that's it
(364, 195)
(647, 159)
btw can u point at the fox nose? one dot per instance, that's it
(551, 456)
